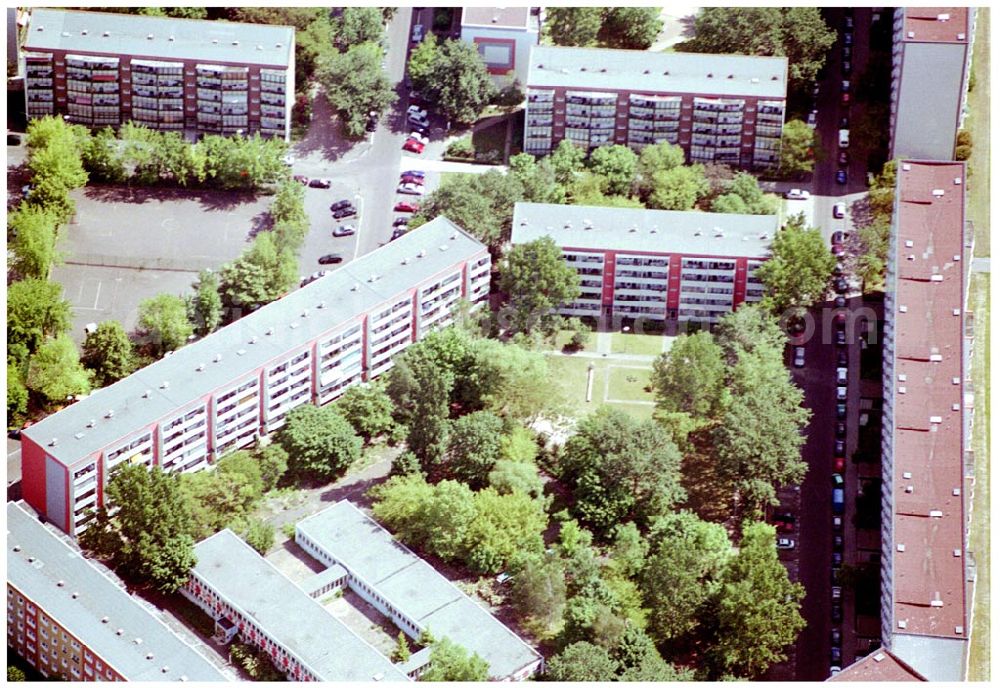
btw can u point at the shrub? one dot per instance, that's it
(963, 152)
(462, 148)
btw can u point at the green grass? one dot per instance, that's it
(979, 532)
(570, 376)
(645, 344)
(446, 176)
(629, 384)
(563, 337)
(978, 123)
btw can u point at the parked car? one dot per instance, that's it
(372, 123)
(330, 259)
(841, 176)
(786, 543)
(835, 637)
(288, 159)
(842, 411)
(842, 358)
(836, 592)
(406, 207)
(841, 285)
(845, 86)
(345, 230)
(834, 657)
(845, 67)
(840, 321)
(419, 129)
(320, 183)
(407, 179)
(834, 575)
(839, 210)
(413, 146)
(838, 447)
(848, 38)
(844, 122)
(840, 338)
(841, 376)
(398, 232)
(838, 501)
(841, 429)
(845, 52)
(784, 527)
(797, 195)
(419, 121)
(301, 179)
(838, 464)
(419, 138)
(842, 158)
(414, 173)
(836, 613)
(418, 33)
(413, 189)
(341, 213)
(838, 523)
(800, 357)
(342, 203)
(837, 558)
(838, 480)
(811, 120)
(840, 301)
(416, 111)
(844, 138)
(838, 543)
(848, 24)
(400, 221)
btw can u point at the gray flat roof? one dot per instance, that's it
(923, 132)
(176, 39)
(54, 561)
(346, 293)
(656, 231)
(412, 586)
(497, 17)
(298, 622)
(641, 70)
(935, 658)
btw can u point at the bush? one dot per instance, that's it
(260, 536)
(461, 148)
(964, 137)
(963, 152)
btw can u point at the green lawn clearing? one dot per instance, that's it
(570, 376)
(563, 337)
(632, 343)
(629, 384)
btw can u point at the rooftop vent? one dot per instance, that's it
(422, 253)
(270, 331)
(61, 584)
(218, 357)
(321, 304)
(201, 367)
(31, 560)
(241, 352)
(902, 389)
(774, 78)
(17, 548)
(666, 73)
(879, 657)
(909, 489)
(149, 655)
(936, 358)
(937, 603)
(110, 413)
(164, 669)
(83, 32)
(961, 36)
(293, 325)
(40, 28)
(583, 69)
(709, 75)
(253, 340)
(170, 38)
(730, 76)
(454, 236)
(165, 384)
(66, 34)
(910, 34)
(956, 406)
(260, 47)
(754, 80)
(900, 547)
(405, 260)
(355, 286)
(149, 37)
(937, 278)
(935, 419)
(906, 165)
(911, 257)
(104, 619)
(137, 641)
(936, 514)
(305, 312)
(902, 377)
(956, 553)
(956, 380)
(236, 42)
(909, 243)
(373, 278)
(277, 45)
(78, 435)
(645, 71)
(75, 595)
(937, 192)
(958, 181)
(54, 441)
(120, 631)
(959, 630)
(147, 394)
(907, 475)
(944, 16)
(443, 247)
(215, 41)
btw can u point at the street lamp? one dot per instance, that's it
(625, 331)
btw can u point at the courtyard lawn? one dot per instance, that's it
(632, 343)
(628, 384)
(563, 337)
(610, 382)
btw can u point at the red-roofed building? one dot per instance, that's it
(925, 425)
(880, 665)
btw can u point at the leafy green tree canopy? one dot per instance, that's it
(319, 441)
(800, 267)
(164, 320)
(535, 279)
(56, 373)
(107, 351)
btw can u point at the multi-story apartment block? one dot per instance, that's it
(926, 450)
(718, 108)
(408, 590)
(226, 390)
(190, 76)
(249, 598)
(504, 37)
(931, 53)
(68, 619)
(660, 265)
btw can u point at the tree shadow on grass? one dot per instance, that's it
(708, 496)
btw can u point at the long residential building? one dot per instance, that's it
(185, 75)
(718, 108)
(68, 619)
(226, 390)
(926, 439)
(410, 592)
(931, 54)
(660, 265)
(248, 598)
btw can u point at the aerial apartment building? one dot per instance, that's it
(504, 37)
(718, 108)
(661, 265)
(226, 390)
(185, 75)
(68, 619)
(249, 598)
(931, 54)
(926, 438)
(410, 592)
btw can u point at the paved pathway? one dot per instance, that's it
(638, 358)
(604, 343)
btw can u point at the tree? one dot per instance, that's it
(483, 204)
(505, 528)
(205, 306)
(400, 503)
(401, 654)
(474, 447)
(757, 607)
(617, 164)
(798, 272)
(263, 273)
(567, 159)
(537, 178)
(690, 377)
(164, 320)
(677, 188)
(456, 81)
(639, 660)
(107, 351)
(750, 328)
(535, 279)
(577, 26)
(760, 434)
(368, 408)
(799, 144)
(55, 371)
(15, 674)
(452, 662)
(420, 66)
(103, 157)
(319, 441)
(356, 84)
(17, 396)
(508, 477)
(511, 381)
(273, 461)
(620, 469)
(259, 535)
(421, 388)
(635, 28)
(686, 559)
(148, 535)
(629, 549)
(446, 518)
(583, 661)
(35, 310)
(800, 33)
(358, 25)
(54, 158)
(34, 231)
(745, 197)
(659, 157)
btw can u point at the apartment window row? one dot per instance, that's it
(695, 264)
(640, 285)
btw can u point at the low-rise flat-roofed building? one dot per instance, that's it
(408, 590)
(931, 54)
(661, 265)
(67, 618)
(927, 412)
(504, 37)
(186, 75)
(239, 383)
(248, 597)
(718, 108)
